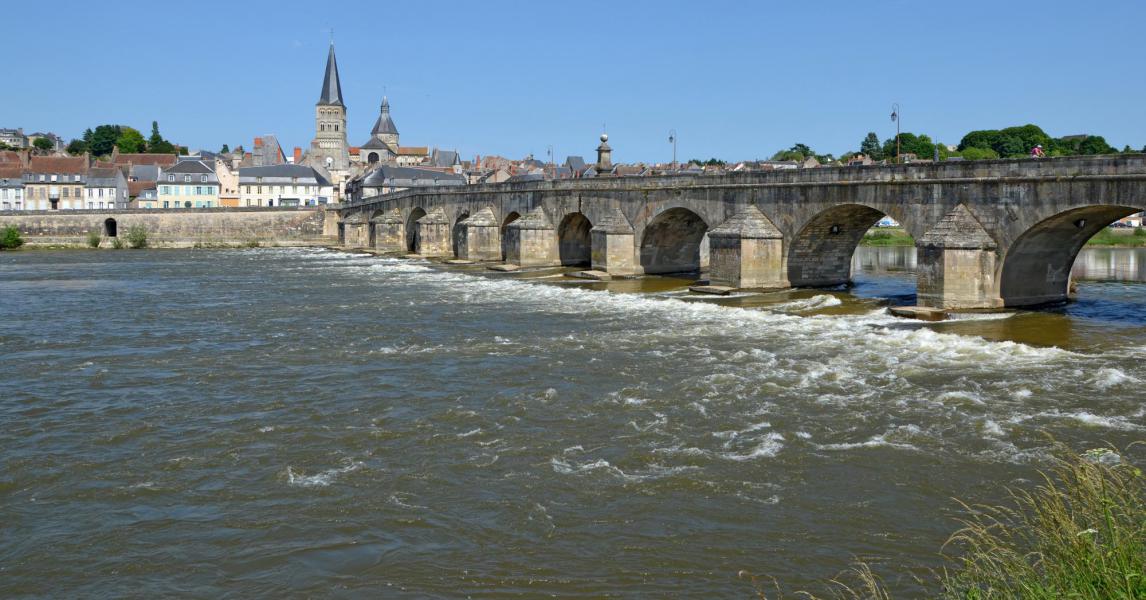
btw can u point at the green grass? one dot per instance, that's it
(1079, 533)
(1114, 238)
(887, 236)
(93, 239)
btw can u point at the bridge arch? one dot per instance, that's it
(412, 228)
(457, 236)
(573, 240)
(1036, 266)
(671, 242)
(820, 254)
(509, 218)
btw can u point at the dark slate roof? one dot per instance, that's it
(283, 170)
(145, 172)
(331, 87)
(190, 166)
(444, 158)
(384, 124)
(575, 162)
(386, 175)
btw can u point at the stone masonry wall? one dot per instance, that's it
(175, 229)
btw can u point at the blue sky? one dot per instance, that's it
(736, 80)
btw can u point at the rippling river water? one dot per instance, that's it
(314, 423)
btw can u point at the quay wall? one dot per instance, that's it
(175, 228)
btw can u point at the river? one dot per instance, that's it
(304, 422)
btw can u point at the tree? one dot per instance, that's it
(103, 139)
(77, 147)
(870, 147)
(1011, 141)
(156, 144)
(225, 149)
(977, 153)
(798, 153)
(130, 141)
(909, 143)
(43, 144)
(1095, 144)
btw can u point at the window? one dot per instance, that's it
(165, 204)
(247, 190)
(65, 194)
(53, 177)
(77, 178)
(170, 178)
(91, 205)
(42, 178)
(165, 190)
(186, 179)
(101, 192)
(203, 179)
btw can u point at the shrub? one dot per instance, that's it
(10, 238)
(117, 243)
(93, 239)
(137, 236)
(252, 243)
(1140, 232)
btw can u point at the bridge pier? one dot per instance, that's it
(480, 237)
(354, 232)
(746, 251)
(956, 264)
(389, 231)
(531, 241)
(434, 234)
(613, 245)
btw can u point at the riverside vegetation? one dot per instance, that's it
(1080, 533)
(10, 238)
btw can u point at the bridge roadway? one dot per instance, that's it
(989, 233)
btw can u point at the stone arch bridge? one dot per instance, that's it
(989, 233)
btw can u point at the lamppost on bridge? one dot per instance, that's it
(895, 118)
(672, 140)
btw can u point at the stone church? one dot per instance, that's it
(328, 150)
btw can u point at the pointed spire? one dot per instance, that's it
(385, 105)
(331, 87)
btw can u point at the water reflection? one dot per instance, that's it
(1093, 264)
(1110, 264)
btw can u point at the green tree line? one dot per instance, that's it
(1011, 142)
(104, 138)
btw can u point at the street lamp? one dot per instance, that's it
(895, 118)
(672, 140)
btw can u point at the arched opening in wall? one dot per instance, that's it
(1037, 265)
(511, 217)
(573, 242)
(457, 235)
(821, 253)
(372, 158)
(671, 242)
(110, 229)
(412, 229)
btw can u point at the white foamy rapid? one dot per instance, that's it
(850, 382)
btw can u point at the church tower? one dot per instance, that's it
(383, 143)
(329, 148)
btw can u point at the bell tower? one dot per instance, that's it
(329, 148)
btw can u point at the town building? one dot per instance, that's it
(11, 187)
(188, 184)
(142, 194)
(14, 138)
(55, 183)
(412, 156)
(228, 182)
(387, 179)
(284, 185)
(58, 143)
(106, 188)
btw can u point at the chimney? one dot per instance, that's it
(297, 155)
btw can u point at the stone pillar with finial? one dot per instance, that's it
(604, 156)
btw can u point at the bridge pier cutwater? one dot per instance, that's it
(989, 234)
